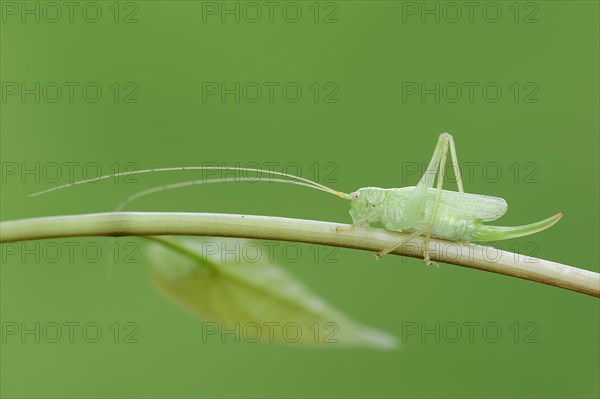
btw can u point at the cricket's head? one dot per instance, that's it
(366, 205)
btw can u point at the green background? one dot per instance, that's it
(371, 133)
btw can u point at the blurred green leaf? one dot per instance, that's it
(259, 300)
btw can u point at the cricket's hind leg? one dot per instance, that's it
(455, 165)
(445, 143)
(438, 196)
(435, 171)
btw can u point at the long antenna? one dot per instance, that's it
(189, 183)
(295, 179)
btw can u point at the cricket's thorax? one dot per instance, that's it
(367, 205)
(387, 206)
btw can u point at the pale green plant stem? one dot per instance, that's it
(298, 230)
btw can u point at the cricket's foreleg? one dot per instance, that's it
(360, 223)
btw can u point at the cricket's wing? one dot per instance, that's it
(464, 205)
(471, 206)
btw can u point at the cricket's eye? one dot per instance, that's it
(355, 195)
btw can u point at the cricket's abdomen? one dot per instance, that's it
(449, 227)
